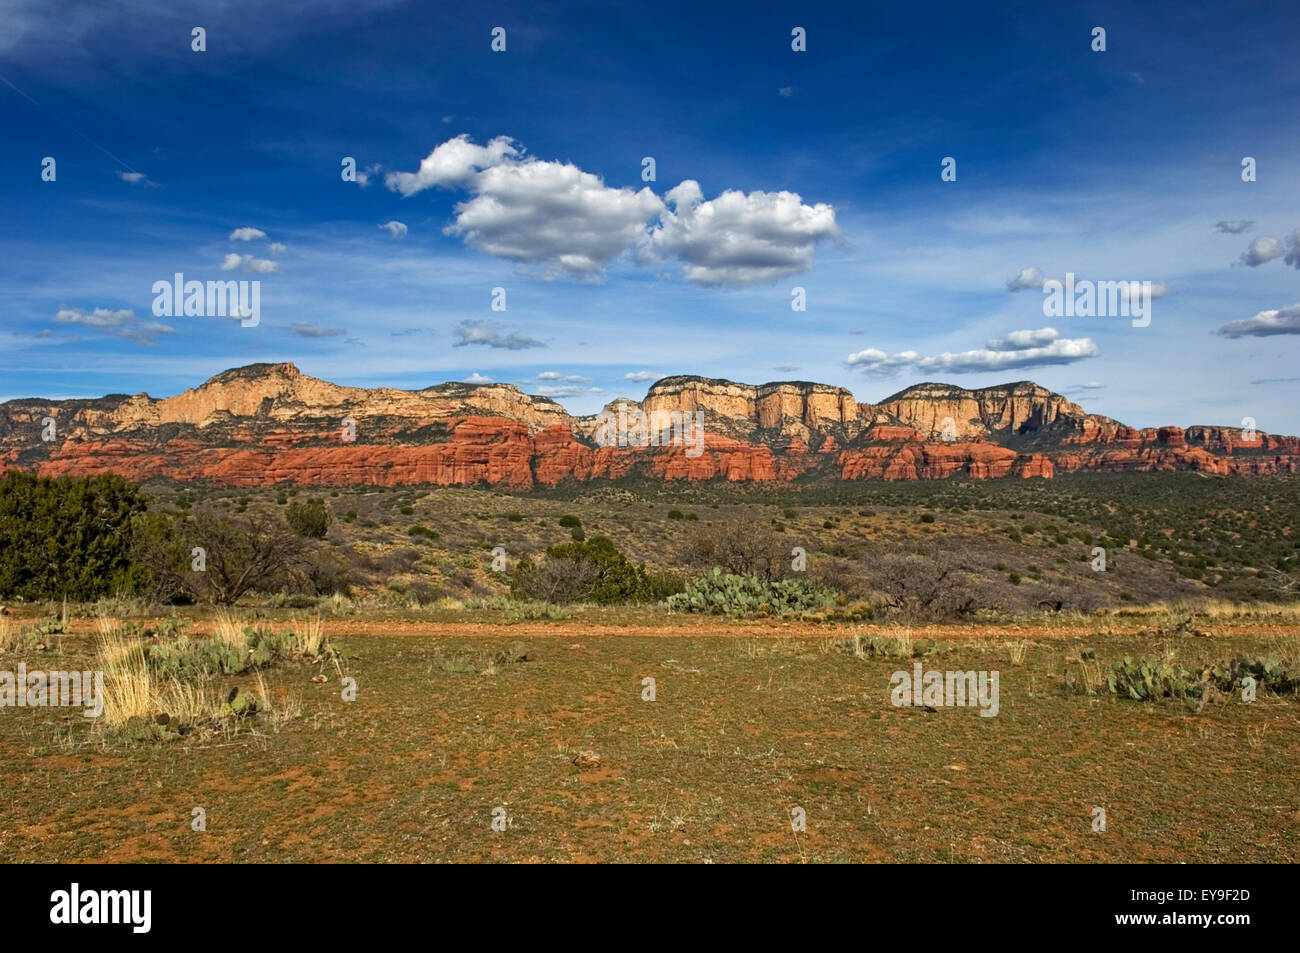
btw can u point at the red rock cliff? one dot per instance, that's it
(269, 423)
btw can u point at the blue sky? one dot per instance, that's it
(817, 169)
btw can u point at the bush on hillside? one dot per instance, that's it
(590, 570)
(310, 519)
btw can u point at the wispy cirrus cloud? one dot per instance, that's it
(1083, 388)
(566, 390)
(306, 329)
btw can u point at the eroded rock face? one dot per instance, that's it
(792, 409)
(269, 423)
(1006, 410)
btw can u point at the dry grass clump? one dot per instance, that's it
(1083, 674)
(229, 631)
(899, 646)
(309, 638)
(1018, 649)
(141, 705)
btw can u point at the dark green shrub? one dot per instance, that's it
(582, 571)
(66, 537)
(310, 519)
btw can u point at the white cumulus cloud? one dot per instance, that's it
(263, 266)
(116, 323)
(740, 238)
(1261, 250)
(553, 215)
(1028, 278)
(454, 164)
(479, 332)
(1017, 350)
(1265, 324)
(567, 221)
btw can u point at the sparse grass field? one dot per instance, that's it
(750, 721)
(469, 701)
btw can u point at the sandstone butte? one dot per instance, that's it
(269, 423)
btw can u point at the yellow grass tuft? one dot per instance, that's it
(118, 653)
(284, 709)
(132, 690)
(229, 631)
(309, 637)
(129, 694)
